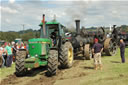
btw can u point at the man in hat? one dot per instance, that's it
(122, 50)
(97, 50)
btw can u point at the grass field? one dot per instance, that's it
(6, 71)
(114, 72)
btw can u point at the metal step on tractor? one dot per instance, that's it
(52, 49)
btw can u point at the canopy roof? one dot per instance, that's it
(52, 22)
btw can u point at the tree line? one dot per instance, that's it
(24, 35)
(29, 33)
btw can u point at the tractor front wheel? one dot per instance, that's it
(20, 59)
(52, 62)
(66, 55)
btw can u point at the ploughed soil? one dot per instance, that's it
(37, 76)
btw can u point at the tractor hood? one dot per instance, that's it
(38, 47)
(38, 40)
(49, 23)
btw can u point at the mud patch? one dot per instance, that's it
(9, 80)
(88, 67)
(38, 77)
(35, 78)
(75, 76)
(42, 81)
(76, 63)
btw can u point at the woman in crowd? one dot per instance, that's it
(9, 54)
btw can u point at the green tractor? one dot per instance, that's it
(52, 49)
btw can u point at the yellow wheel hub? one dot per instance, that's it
(70, 55)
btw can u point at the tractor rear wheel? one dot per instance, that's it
(110, 47)
(66, 55)
(52, 63)
(101, 34)
(87, 52)
(20, 59)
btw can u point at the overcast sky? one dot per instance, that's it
(15, 13)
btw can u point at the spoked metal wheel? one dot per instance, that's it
(110, 47)
(87, 52)
(101, 34)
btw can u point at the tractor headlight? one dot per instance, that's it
(28, 56)
(36, 55)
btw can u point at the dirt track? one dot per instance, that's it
(37, 76)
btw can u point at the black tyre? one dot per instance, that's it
(52, 63)
(87, 52)
(20, 59)
(66, 55)
(110, 47)
(101, 34)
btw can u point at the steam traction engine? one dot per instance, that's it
(83, 41)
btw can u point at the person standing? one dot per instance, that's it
(9, 55)
(97, 50)
(122, 50)
(4, 54)
(2, 61)
(14, 51)
(54, 37)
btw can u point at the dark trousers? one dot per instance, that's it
(5, 58)
(122, 56)
(9, 60)
(3, 61)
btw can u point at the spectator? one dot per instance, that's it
(9, 55)
(14, 47)
(122, 50)
(97, 50)
(4, 54)
(22, 46)
(17, 46)
(2, 61)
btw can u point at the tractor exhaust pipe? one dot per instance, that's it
(77, 26)
(43, 28)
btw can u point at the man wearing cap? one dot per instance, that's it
(97, 50)
(122, 50)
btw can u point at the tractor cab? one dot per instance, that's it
(54, 31)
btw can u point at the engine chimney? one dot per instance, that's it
(43, 28)
(77, 26)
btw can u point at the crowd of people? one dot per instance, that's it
(8, 52)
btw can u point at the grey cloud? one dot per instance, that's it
(92, 14)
